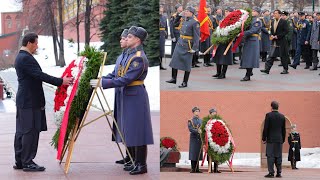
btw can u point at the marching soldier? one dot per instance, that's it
(207, 43)
(250, 58)
(293, 45)
(294, 147)
(284, 15)
(314, 42)
(265, 42)
(195, 145)
(222, 61)
(303, 42)
(279, 47)
(135, 110)
(175, 27)
(163, 28)
(187, 45)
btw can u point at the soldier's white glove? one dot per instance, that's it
(174, 39)
(199, 130)
(192, 51)
(94, 83)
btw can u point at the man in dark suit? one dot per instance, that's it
(30, 102)
(274, 133)
(279, 45)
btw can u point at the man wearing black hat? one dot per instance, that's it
(163, 28)
(175, 26)
(187, 45)
(135, 118)
(303, 48)
(279, 47)
(251, 53)
(195, 145)
(265, 42)
(274, 133)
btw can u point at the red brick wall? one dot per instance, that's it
(243, 111)
(15, 18)
(10, 42)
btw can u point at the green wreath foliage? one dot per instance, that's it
(216, 40)
(84, 91)
(218, 158)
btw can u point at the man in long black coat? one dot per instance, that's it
(274, 133)
(30, 102)
(279, 45)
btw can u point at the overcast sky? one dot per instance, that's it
(10, 6)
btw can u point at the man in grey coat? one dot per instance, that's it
(265, 42)
(314, 41)
(187, 45)
(250, 55)
(274, 133)
(195, 148)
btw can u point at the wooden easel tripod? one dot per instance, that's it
(77, 128)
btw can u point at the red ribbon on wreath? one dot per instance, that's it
(239, 39)
(65, 119)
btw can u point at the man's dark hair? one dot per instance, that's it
(29, 37)
(275, 105)
(277, 10)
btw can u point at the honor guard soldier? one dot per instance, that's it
(222, 61)
(187, 45)
(303, 42)
(175, 26)
(207, 43)
(163, 28)
(195, 145)
(279, 46)
(135, 114)
(294, 147)
(265, 42)
(250, 58)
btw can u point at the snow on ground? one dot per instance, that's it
(310, 158)
(45, 58)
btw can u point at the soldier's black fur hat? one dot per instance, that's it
(125, 33)
(195, 108)
(139, 32)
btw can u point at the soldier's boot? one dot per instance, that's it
(129, 166)
(223, 73)
(141, 163)
(215, 170)
(125, 160)
(173, 80)
(219, 68)
(208, 59)
(295, 165)
(315, 67)
(248, 74)
(132, 153)
(292, 164)
(161, 67)
(185, 80)
(197, 169)
(193, 166)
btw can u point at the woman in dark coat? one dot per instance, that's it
(295, 146)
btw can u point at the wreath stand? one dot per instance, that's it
(77, 128)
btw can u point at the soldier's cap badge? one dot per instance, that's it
(135, 64)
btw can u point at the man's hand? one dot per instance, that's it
(67, 81)
(263, 142)
(174, 39)
(94, 83)
(306, 42)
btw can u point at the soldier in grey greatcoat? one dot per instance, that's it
(195, 149)
(175, 27)
(314, 41)
(187, 45)
(163, 28)
(265, 42)
(220, 59)
(250, 55)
